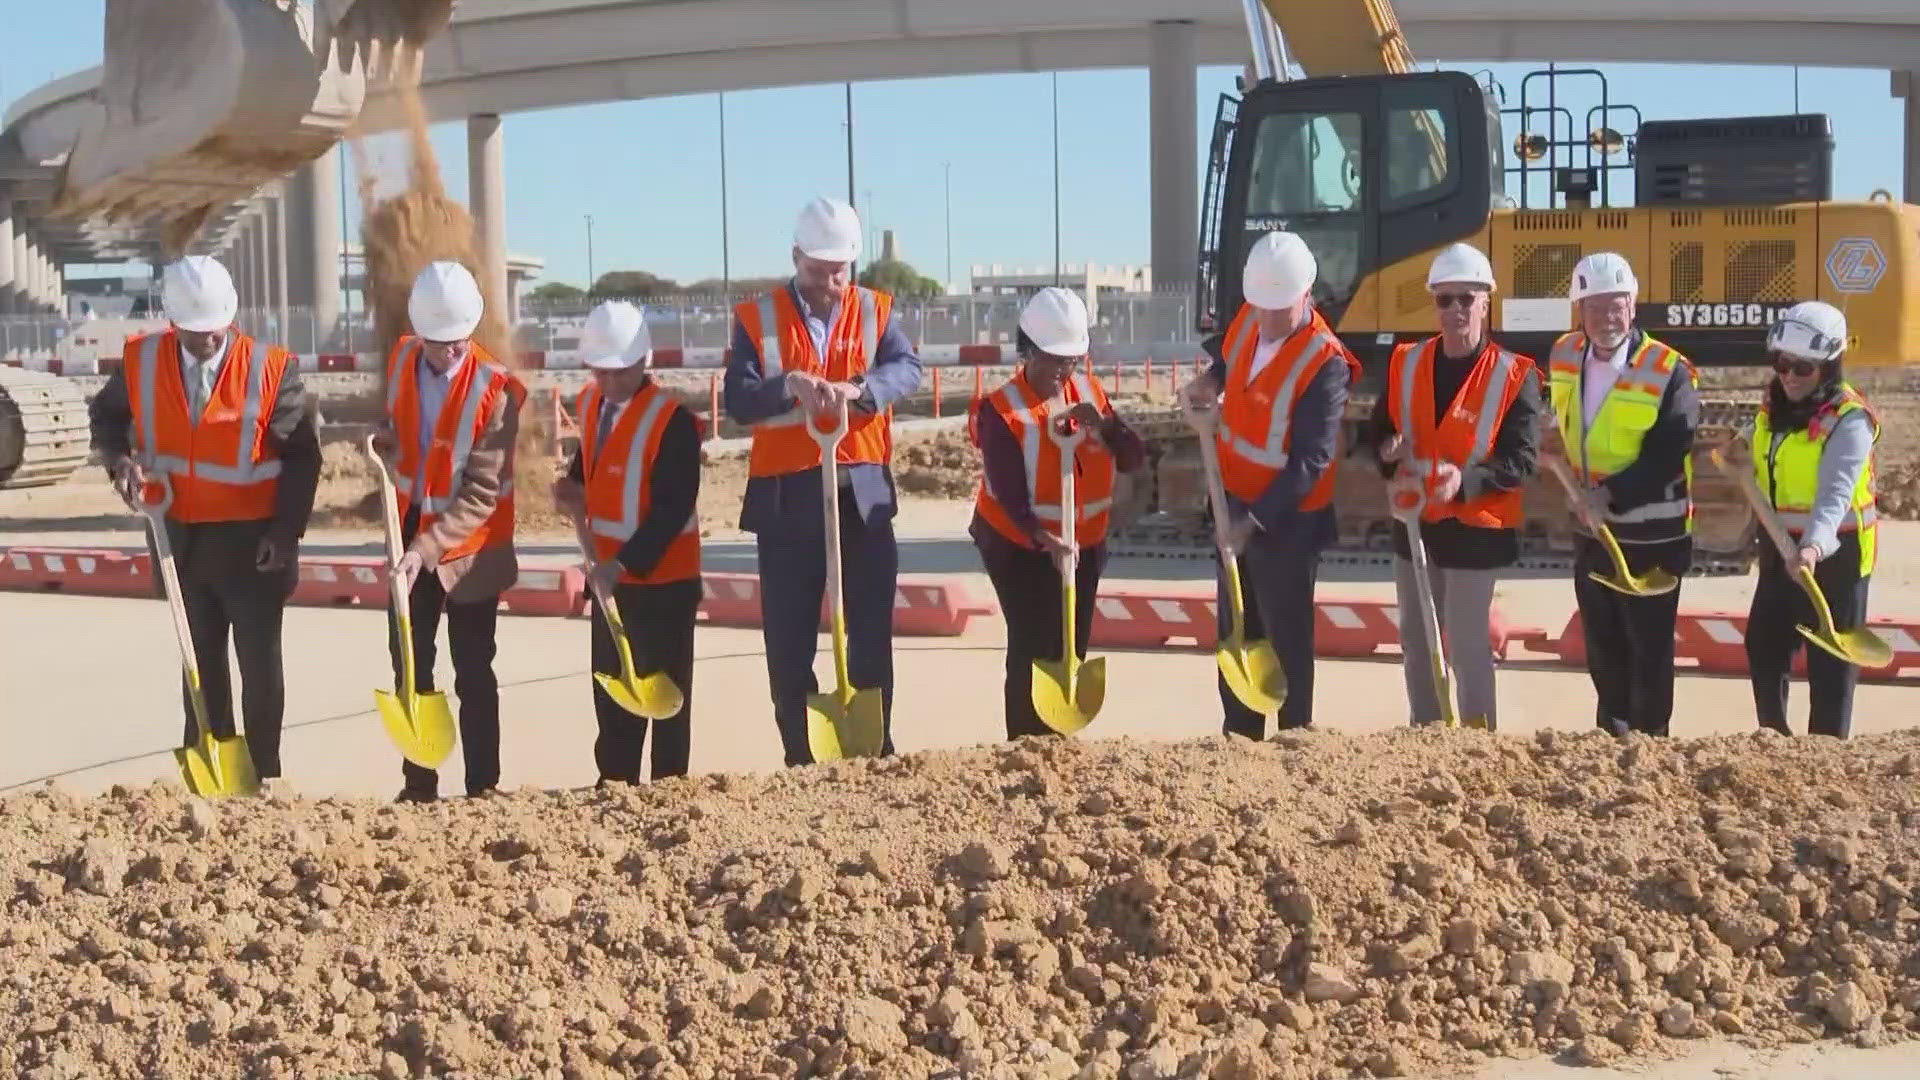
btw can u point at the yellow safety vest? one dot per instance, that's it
(1628, 412)
(1789, 473)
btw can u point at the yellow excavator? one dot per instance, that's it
(205, 101)
(1378, 165)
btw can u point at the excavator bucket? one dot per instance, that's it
(202, 102)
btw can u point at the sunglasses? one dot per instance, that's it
(1453, 299)
(1787, 365)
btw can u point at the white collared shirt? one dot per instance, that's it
(1600, 375)
(432, 388)
(200, 375)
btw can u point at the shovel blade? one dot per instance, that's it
(1655, 582)
(215, 768)
(424, 734)
(1068, 701)
(653, 697)
(1254, 674)
(1861, 647)
(854, 728)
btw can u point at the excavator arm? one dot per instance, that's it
(202, 102)
(1343, 37)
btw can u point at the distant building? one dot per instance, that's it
(1085, 279)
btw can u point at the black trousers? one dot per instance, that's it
(659, 623)
(793, 578)
(470, 639)
(249, 606)
(1277, 580)
(1028, 584)
(1779, 606)
(1629, 639)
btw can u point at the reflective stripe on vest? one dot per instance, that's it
(1644, 377)
(1031, 432)
(1273, 455)
(244, 470)
(463, 436)
(773, 363)
(1789, 474)
(624, 526)
(1485, 428)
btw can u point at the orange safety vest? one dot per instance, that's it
(222, 468)
(1030, 419)
(1466, 433)
(480, 388)
(619, 480)
(1256, 411)
(782, 445)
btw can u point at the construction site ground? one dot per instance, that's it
(965, 852)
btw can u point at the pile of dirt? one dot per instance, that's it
(1315, 906)
(946, 466)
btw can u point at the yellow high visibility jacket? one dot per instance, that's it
(1628, 412)
(1789, 474)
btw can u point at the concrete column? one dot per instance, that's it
(487, 193)
(1906, 84)
(262, 273)
(23, 272)
(243, 265)
(280, 301)
(7, 284)
(1173, 142)
(313, 242)
(36, 278)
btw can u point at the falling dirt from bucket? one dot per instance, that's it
(403, 232)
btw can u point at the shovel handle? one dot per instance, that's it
(829, 442)
(1762, 510)
(155, 498)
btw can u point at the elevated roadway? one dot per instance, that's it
(504, 56)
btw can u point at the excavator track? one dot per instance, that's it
(44, 435)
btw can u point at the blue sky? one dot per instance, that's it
(648, 171)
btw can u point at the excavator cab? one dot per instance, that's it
(1367, 170)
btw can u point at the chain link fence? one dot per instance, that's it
(1120, 319)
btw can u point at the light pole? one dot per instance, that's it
(947, 167)
(855, 268)
(1056, 178)
(590, 277)
(726, 267)
(872, 230)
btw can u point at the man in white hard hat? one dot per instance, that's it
(1625, 410)
(226, 423)
(1019, 522)
(799, 353)
(636, 480)
(1280, 378)
(452, 418)
(1457, 427)
(1814, 439)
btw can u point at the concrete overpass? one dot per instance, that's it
(504, 56)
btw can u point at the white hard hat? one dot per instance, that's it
(1460, 263)
(1055, 320)
(615, 337)
(198, 294)
(1280, 270)
(828, 229)
(445, 304)
(1600, 273)
(1810, 330)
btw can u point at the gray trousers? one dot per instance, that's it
(1464, 601)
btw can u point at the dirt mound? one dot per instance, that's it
(1310, 907)
(944, 467)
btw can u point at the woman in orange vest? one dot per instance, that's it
(637, 481)
(1457, 421)
(1019, 524)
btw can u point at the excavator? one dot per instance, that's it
(1378, 164)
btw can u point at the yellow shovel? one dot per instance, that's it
(1252, 672)
(1407, 506)
(212, 767)
(846, 722)
(652, 697)
(1859, 646)
(420, 724)
(1655, 582)
(1067, 692)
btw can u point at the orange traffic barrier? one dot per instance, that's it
(920, 609)
(1132, 618)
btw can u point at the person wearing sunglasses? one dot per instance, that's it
(1812, 446)
(1625, 409)
(1457, 426)
(1279, 377)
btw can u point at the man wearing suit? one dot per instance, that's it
(453, 413)
(799, 353)
(225, 421)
